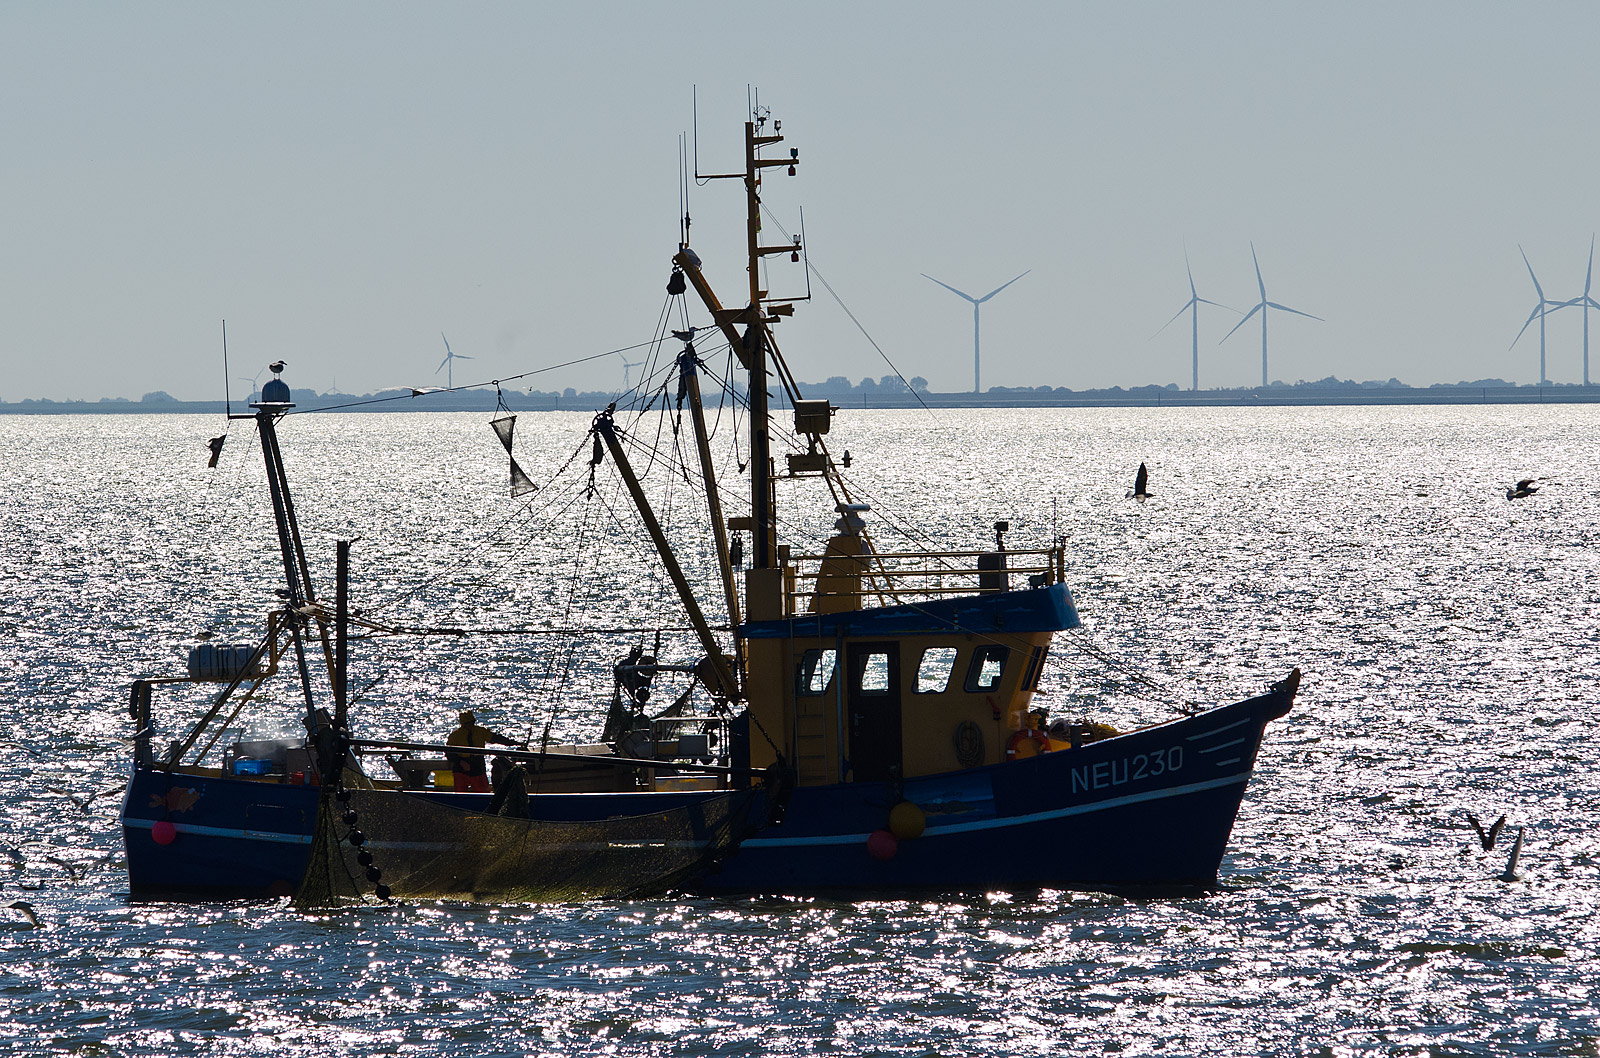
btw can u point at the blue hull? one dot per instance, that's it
(237, 838)
(1150, 808)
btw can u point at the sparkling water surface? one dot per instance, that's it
(1446, 635)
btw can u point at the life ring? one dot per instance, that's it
(1038, 739)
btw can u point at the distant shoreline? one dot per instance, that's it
(1147, 397)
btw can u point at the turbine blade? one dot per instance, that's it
(996, 290)
(440, 368)
(1525, 324)
(1257, 261)
(1174, 319)
(1192, 292)
(1588, 277)
(1218, 304)
(461, 356)
(1531, 276)
(1241, 323)
(1297, 312)
(950, 288)
(446, 342)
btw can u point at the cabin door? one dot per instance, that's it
(873, 704)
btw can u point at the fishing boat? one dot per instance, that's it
(855, 714)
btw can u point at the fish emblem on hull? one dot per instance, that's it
(176, 799)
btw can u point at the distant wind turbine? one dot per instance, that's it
(1585, 302)
(255, 385)
(1544, 308)
(448, 362)
(627, 367)
(1262, 306)
(1192, 306)
(975, 303)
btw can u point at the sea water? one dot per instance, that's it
(1446, 636)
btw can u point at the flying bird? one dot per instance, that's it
(1141, 482)
(1510, 873)
(1522, 489)
(1490, 836)
(215, 445)
(27, 911)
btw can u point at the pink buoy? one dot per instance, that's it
(163, 832)
(881, 845)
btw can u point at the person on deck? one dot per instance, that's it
(468, 770)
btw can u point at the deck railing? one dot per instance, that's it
(888, 578)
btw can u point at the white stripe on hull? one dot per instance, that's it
(1001, 823)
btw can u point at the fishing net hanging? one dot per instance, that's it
(521, 484)
(427, 849)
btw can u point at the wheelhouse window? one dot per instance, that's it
(933, 671)
(816, 671)
(1035, 669)
(988, 665)
(872, 672)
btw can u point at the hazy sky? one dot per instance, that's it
(342, 182)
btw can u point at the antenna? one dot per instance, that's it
(227, 398)
(694, 105)
(683, 190)
(805, 251)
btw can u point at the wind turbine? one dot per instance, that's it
(975, 303)
(449, 357)
(627, 367)
(1262, 306)
(1192, 306)
(1586, 302)
(254, 383)
(1541, 311)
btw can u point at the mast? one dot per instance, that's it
(720, 679)
(756, 361)
(688, 367)
(302, 601)
(751, 346)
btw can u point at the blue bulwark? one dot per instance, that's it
(1017, 612)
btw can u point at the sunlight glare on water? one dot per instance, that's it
(1446, 637)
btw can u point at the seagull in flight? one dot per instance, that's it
(1141, 483)
(1522, 489)
(1510, 873)
(1490, 836)
(215, 444)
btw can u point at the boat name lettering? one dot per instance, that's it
(1117, 772)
